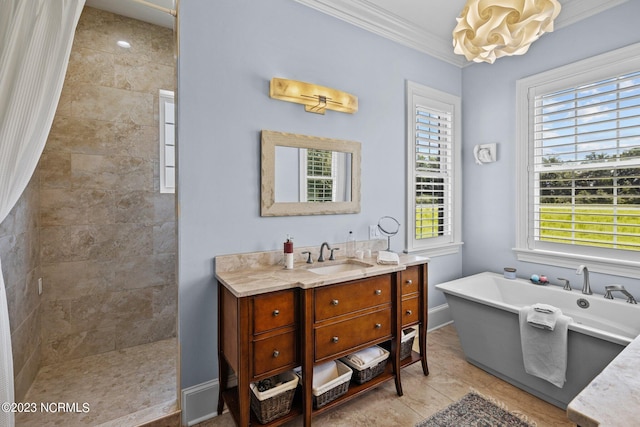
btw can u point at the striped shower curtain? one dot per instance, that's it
(35, 38)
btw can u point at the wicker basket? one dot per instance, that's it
(406, 345)
(275, 402)
(333, 389)
(362, 374)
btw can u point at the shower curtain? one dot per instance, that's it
(36, 38)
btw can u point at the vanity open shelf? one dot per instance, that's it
(268, 329)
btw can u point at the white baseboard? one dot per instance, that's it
(199, 403)
(438, 317)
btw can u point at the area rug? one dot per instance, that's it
(475, 410)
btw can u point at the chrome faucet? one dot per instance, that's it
(611, 288)
(586, 286)
(322, 246)
(567, 285)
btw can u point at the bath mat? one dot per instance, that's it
(475, 410)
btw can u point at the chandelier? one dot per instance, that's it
(487, 30)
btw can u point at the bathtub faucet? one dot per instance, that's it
(612, 288)
(586, 286)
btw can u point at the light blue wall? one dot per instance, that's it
(489, 95)
(229, 51)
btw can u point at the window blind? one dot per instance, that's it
(585, 164)
(433, 177)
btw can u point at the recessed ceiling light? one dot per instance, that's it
(124, 44)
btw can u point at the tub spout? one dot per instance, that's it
(586, 286)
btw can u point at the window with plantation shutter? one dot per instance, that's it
(320, 176)
(324, 175)
(167, 159)
(583, 163)
(433, 178)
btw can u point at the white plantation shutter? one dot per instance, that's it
(433, 172)
(320, 176)
(432, 163)
(167, 121)
(585, 163)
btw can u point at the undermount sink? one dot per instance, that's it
(340, 266)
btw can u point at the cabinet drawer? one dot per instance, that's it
(410, 311)
(409, 280)
(273, 353)
(274, 310)
(336, 300)
(336, 337)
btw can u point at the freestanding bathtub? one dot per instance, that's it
(485, 312)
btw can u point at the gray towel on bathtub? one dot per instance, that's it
(544, 351)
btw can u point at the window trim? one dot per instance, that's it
(436, 246)
(588, 70)
(165, 96)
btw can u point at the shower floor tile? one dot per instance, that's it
(125, 387)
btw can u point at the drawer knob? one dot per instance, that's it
(334, 339)
(409, 312)
(409, 282)
(378, 292)
(276, 353)
(378, 325)
(276, 312)
(334, 302)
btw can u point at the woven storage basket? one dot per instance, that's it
(275, 402)
(407, 343)
(362, 374)
(333, 389)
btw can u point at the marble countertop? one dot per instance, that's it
(612, 398)
(243, 278)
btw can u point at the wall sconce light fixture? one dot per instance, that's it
(316, 99)
(487, 30)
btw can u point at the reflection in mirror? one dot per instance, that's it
(312, 175)
(306, 175)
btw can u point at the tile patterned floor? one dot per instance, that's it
(122, 388)
(450, 378)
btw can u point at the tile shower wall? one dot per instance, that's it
(108, 247)
(19, 251)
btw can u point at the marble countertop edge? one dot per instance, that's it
(243, 282)
(613, 396)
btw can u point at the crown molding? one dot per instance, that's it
(577, 10)
(368, 16)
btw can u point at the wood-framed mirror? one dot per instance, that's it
(309, 175)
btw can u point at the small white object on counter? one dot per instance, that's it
(388, 258)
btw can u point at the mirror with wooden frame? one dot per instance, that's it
(309, 175)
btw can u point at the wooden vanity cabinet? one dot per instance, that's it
(258, 337)
(413, 310)
(263, 335)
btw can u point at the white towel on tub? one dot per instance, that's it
(544, 351)
(543, 316)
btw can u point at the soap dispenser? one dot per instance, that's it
(288, 253)
(351, 245)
